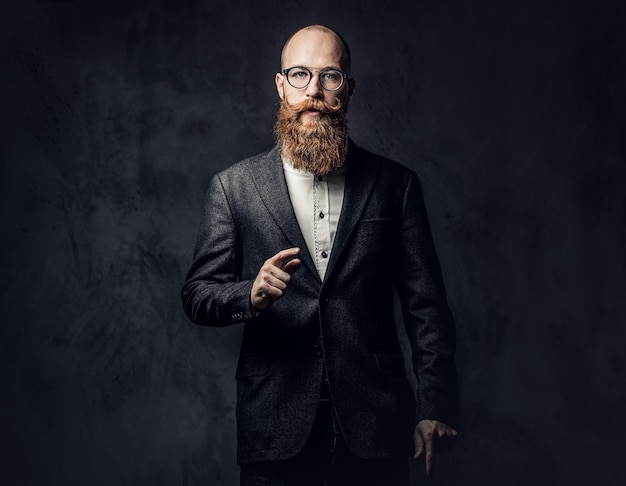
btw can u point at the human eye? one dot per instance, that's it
(298, 73)
(331, 75)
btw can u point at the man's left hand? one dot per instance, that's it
(428, 435)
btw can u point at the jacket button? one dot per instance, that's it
(318, 349)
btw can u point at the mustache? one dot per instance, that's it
(314, 104)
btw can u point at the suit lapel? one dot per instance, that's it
(270, 182)
(361, 175)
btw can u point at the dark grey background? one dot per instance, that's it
(114, 116)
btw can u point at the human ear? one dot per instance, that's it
(351, 86)
(279, 79)
(350, 90)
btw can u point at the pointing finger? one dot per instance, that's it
(283, 256)
(429, 454)
(419, 444)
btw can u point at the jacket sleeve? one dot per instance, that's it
(426, 314)
(213, 293)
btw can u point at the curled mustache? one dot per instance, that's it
(314, 104)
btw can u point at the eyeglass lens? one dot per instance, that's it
(330, 79)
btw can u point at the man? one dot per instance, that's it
(304, 244)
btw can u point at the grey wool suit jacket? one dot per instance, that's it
(344, 323)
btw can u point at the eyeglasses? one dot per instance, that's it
(299, 77)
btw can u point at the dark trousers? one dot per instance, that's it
(326, 460)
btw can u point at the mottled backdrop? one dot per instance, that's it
(115, 114)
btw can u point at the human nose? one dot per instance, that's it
(314, 89)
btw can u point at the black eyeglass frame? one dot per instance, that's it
(344, 77)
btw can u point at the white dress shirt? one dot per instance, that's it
(317, 202)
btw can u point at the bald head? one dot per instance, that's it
(318, 36)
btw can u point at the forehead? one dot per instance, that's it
(314, 48)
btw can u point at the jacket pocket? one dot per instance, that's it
(391, 364)
(375, 225)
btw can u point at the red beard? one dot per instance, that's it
(319, 146)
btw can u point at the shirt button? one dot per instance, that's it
(320, 178)
(324, 254)
(321, 215)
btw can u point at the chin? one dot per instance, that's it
(308, 120)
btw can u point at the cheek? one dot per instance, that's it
(293, 98)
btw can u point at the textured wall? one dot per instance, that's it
(114, 116)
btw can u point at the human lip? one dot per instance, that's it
(313, 112)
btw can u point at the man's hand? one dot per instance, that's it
(427, 433)
(273, 278)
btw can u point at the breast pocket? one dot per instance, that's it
(375, 225)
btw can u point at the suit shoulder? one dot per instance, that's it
(386, 165)
(245, 166)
